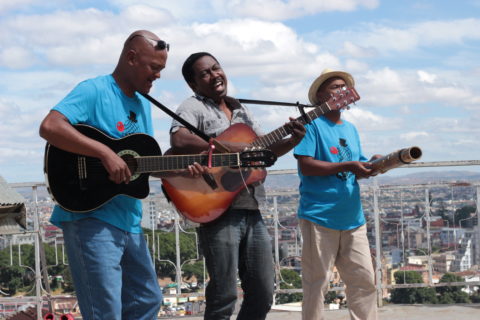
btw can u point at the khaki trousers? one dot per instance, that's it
(349, 251)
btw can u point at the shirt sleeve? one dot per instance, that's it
(77, 106)
(308, 145)
(189, 112)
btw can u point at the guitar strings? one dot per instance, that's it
(95, 165)
(244, 182)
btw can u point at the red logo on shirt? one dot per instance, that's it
(120, 126)
(333, 150)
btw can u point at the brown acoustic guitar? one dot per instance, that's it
(204, 200)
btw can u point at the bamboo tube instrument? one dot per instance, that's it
(396, 159)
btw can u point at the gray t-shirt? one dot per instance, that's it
(204, 114)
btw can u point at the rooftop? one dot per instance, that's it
(392, 312)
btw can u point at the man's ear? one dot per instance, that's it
(131, 57)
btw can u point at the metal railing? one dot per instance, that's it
(373, 208)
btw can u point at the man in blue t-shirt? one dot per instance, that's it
(331, 219)
(110, 263)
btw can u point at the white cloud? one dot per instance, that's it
(86, 36)
(20, 137)
(293, 92)
(389, 87)
(367, 121)
(384, 87)
(262, 9)
(383, 39)
(455, 126)
(414, 136)
(147, 15)
(357, 51)
(6, 5)
(405, 110)
(282, 10)
(16, 58)
(426, 77)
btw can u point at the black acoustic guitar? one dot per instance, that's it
(80, 184)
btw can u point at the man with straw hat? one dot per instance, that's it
(330, 160)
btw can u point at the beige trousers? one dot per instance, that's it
(349, 251)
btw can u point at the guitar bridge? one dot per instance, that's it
(82, 172)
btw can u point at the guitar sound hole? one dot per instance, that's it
(131, 162)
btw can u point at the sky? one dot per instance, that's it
(415, 64)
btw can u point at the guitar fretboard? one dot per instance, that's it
(278, 134)
(178, 162)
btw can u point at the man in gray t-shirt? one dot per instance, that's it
(238, 240)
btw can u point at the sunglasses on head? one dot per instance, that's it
(157, 44)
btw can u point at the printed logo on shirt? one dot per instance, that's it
(344, 154)
(129, 126)
(333, 150)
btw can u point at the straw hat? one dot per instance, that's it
(327, 74)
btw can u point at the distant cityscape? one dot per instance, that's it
(418, 219)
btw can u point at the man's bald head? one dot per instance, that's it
(143, 56)
(144, 40)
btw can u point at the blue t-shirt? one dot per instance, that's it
(331, 201)
(100, 103)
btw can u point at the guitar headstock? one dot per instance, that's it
(342, 98)
(257, 158)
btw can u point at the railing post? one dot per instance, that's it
(277, 254)
(378, 255)
(177, 251)
(153, 224)
(477, 243)
(429, 245)
(38, 275)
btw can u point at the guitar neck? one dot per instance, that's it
(179, 162)
(278, 134)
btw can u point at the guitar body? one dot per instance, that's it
(204, 202)
(81, 184)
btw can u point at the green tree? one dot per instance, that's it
(193, 269)
(166, 250)
(330, 296)
(22, 278)
(11, 279)
(452, 294)
(291, 280)
(464, 213)
(15, 278)
(412, 295)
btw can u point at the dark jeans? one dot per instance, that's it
(238, 240)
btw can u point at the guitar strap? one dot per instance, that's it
(203, 135)
(274, 103)
(299, 106)
(177, 117)
(211, 142)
